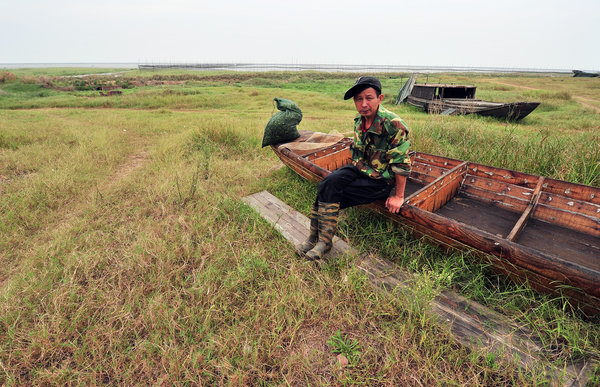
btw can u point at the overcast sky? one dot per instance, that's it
(548, 34)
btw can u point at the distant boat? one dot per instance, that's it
(583, 74)
(534, 229)
(450, 99)
(406, 89)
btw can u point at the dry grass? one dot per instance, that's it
(128, 258)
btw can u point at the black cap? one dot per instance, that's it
(361, 84)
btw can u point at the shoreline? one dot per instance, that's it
(264, 67)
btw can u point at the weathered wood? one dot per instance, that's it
(479, 214)
(305, 169)
(438, 161)
(341, 146)
(428, 169)
(423, 178)
(436, 194)
(503, 175)
(582, 249)
(513, 190)
(558, 271)
(547, 261)
(439, 98)
(527, 213)
(507, 202)
(586, 224)
(335, 160)
(499, 264)
(291, 224)
(575, 191)
(470, 323)
(570, 204)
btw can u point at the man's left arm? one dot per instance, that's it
(395, 201)
(400, 164)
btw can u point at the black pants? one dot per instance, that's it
(349, 187)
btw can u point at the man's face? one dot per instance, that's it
(367, 102)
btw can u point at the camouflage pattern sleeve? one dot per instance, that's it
(398, 153)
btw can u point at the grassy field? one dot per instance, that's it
(127, 257)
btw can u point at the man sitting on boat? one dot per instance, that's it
(380, 163)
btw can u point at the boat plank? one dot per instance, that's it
(500, 187)
(569, 204)
(484, 216)
(290, 229)
(438, 161)
(504, 175)
(572, 220)
(582, 249)
(440, 190)
(509, 202)
(411, 188)
(442, 195)
(425, 179)
(575, 191)
(527, 213)
(544, 269)
(471, 324)
(428, 169)
(333, 161)
(291, 224)
(508, 268)
(558, 271)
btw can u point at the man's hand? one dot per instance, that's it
(393, 203)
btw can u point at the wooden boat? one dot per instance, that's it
(583, 74)
(449, 99)
(531, 228)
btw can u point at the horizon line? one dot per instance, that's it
(299, 66)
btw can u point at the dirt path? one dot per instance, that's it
(581, 100)
(134, 162)
(513, 85)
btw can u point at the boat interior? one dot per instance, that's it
(440, 91)
(558, 218)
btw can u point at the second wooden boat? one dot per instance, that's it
(535, 229)
(452, 99)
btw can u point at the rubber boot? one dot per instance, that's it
(313, 236)
(328, 218)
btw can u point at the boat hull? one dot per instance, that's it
(514, 111)
(533, 229)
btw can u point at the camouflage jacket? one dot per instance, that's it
(382, 151)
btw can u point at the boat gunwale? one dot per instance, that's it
(537, 261)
